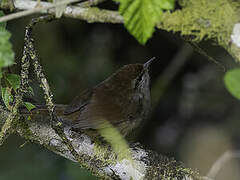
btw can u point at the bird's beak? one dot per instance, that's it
(147, 64)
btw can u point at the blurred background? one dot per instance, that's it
(194, 119)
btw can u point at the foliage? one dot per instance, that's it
(9, 82)
(10, 85)
(141, 16)
(13, 80)
(200, 20)
(29, 106)
(6, 96)
(6, 52)
(232, 82)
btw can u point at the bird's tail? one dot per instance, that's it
(42, 109)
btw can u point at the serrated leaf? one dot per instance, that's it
(29, 106)
(7, 96)
(59, 9)
(141, 16)
(167, 4)
(14, 81)
(232, 82)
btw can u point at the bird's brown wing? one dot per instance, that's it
(79, 102)
(76, 109)
(92, 109)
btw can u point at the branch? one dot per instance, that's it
(35, 9)
(48, 96)
(215, 20)
(221, 161)
(86, 4)
(9, 125)
(88, 14)
(36, 128)
(202, 20)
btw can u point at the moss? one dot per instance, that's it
(167, 168)
(95, 14)
(23, 125)
(103, 152)
(209, 19)
(7, 4)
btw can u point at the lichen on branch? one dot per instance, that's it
(203, 19)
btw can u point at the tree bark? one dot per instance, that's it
(215, 20)
(146, 164)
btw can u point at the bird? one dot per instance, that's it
(123, 100)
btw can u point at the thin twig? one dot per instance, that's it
(55, 123)
(87, 14)
(35, 10)
(10, 122)
(162, 82)
(90, 3)
(221, 161)
(204, 53)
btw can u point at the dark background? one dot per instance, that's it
(195, 119)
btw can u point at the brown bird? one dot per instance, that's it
(123, 100)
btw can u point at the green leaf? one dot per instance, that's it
(232, 82)
(3, 24)
(141, 16)
(14, 80)
(30, 90)
(6, 52)
(29, 106)
(7, 96)
(167, 4)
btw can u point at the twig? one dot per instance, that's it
(34, 10)
(88, 14)
(170, 72)
(9, 125)
(204, 53)
(55, 123)
(90, 3)
(226, 156)
(149, 164)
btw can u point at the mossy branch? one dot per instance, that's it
(201, 19)
(11, 121)
(88, 14)
(7, 4)
(40, 126)
(98, 157)
(48, 96)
